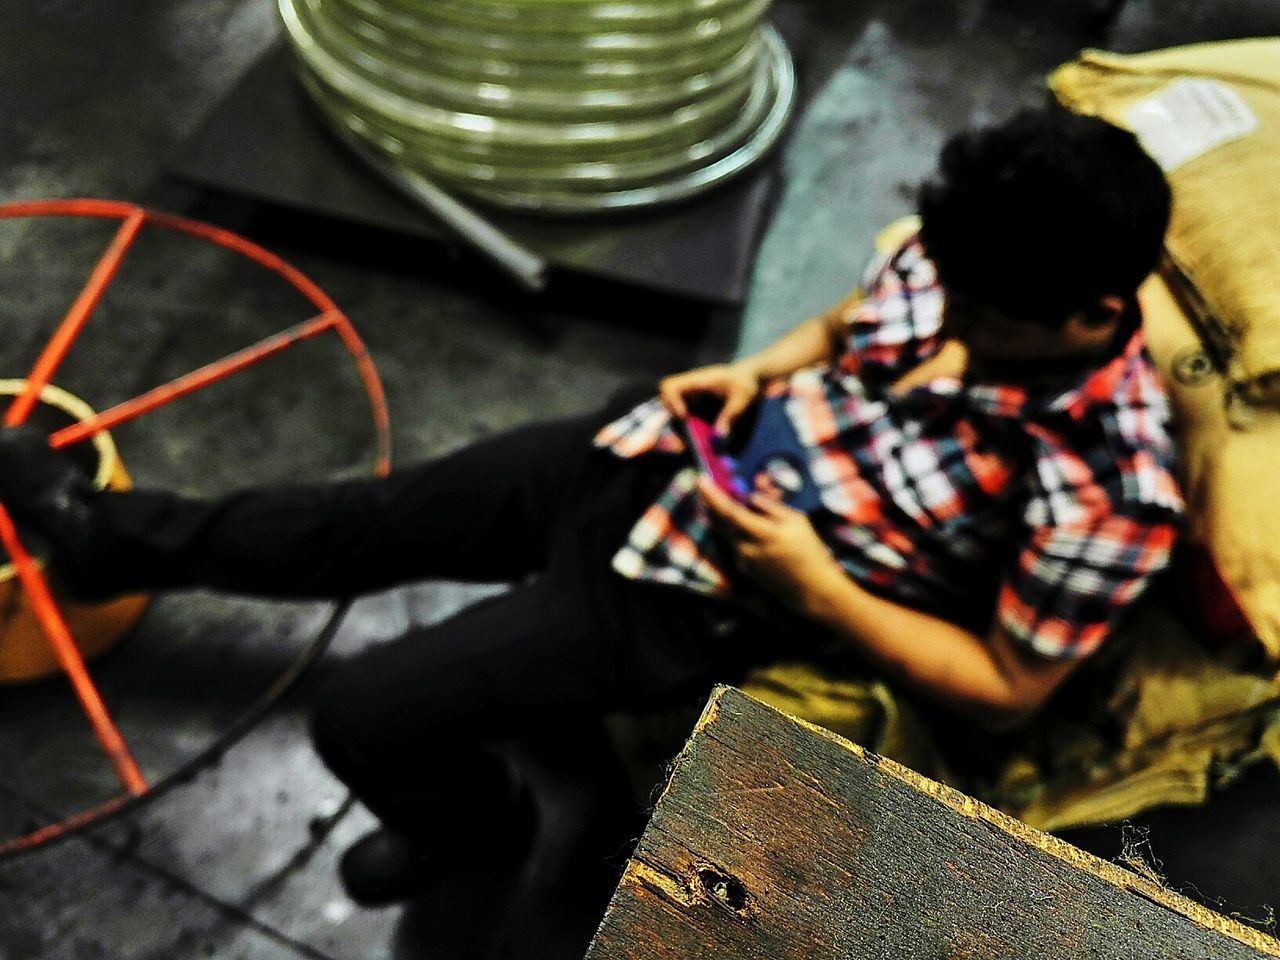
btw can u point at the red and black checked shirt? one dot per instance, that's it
(1054, 507)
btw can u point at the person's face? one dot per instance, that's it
(1013, 349)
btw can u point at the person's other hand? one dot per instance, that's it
(774, 544)
(735, 384)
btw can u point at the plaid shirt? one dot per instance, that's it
(1055, 506)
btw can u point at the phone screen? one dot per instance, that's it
(718, 466)
(773, 448)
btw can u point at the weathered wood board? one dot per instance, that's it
(775, 839)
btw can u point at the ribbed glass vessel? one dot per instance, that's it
(555, 106)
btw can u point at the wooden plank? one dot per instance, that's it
(776, 839)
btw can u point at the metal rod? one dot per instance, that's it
(196, 380)
(68, 655)
(52, 831)
(373, 387)
(517, 261)
(60, 343)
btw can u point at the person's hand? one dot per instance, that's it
(774, 544)
(735, 384)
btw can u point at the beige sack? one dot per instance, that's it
(1229, 478)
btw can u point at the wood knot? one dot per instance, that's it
(724, 888)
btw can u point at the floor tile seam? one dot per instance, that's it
(243, 910)
(124, 851)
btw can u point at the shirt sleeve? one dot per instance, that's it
(896, 323)
(1070, 582)
(646, 427)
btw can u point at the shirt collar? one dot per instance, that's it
(1101, 385)
(1073, 396)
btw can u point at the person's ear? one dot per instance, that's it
(1105, 312)
(1092, 328)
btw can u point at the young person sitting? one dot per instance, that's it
(986, 435)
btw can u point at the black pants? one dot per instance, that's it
(406, 722)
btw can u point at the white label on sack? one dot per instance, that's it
(1188, 118)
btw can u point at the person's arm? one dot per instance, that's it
(989, 678)
(817, 340)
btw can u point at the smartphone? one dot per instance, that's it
(772, 447)
(712, 461)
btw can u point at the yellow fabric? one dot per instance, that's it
(895, 235)
(1162, 720)
(1224, 239)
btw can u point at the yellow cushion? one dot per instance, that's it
(1159, 719)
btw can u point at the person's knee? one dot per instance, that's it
(359, 720)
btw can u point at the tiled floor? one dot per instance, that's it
(238, 861)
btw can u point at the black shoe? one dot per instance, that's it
(387, 866)
(384, 867)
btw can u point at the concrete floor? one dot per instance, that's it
(238, 860)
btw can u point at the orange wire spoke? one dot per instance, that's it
(196, 380)
(68, 655)
(58, 346)
(54, 830)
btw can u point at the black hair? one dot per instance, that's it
(1044, 215)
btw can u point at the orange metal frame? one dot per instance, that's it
(328, 319)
